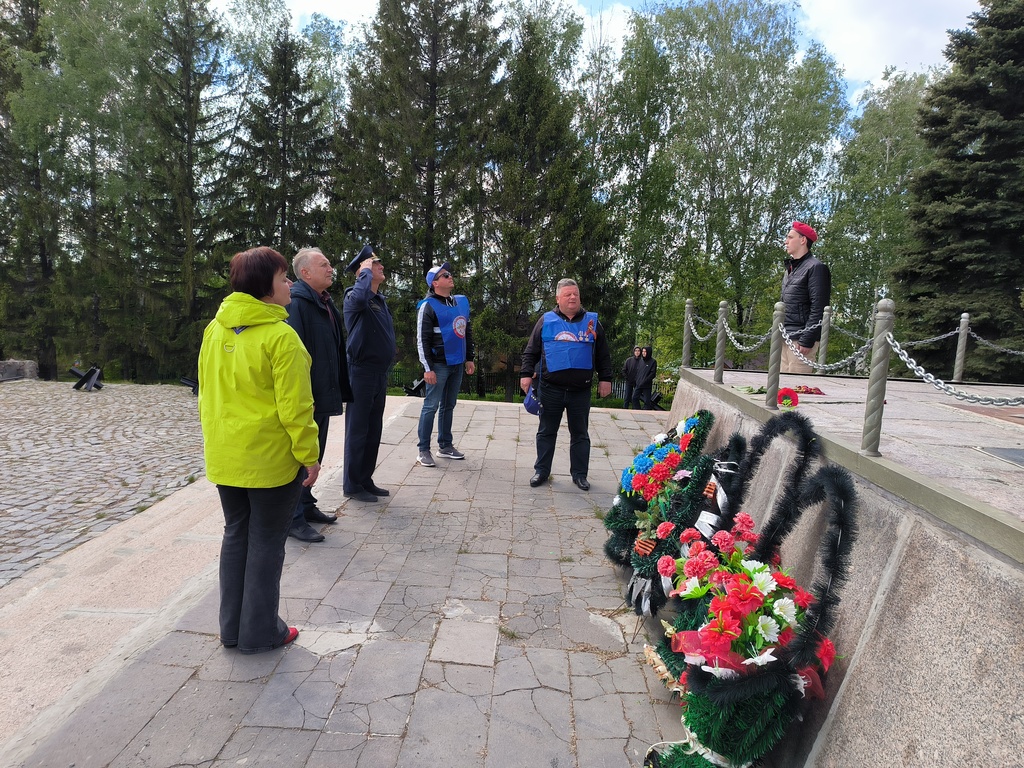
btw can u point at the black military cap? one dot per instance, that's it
(366, 253)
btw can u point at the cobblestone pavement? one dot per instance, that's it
(72, 464)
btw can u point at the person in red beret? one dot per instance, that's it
(806, 291)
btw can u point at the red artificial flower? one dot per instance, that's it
(700, 564)
(667, 566)
(660, 472)
(742, 523)
(745, 598)
(724, 540)
(664, 529)
(784, 581)
(812, 683)
(788, 398)
(826, 653)
(672, 460)
(684, 441)
(690, 534)
(750, 538)
(717, 635)
(639, 482)
(719, 603)
(802, 598)
(697, 547)
(786, 636)
(650, 491)
(686, 642)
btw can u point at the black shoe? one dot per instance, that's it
(378, 491)
(305, 532)
(314, 515)
(581, 482)
(362, 496)
(537, 479)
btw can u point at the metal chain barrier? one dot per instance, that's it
(694, 330)
(990, 345)
(860, 353)
(759, 343)
(942, 386)
(932, 340)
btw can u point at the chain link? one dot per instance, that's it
(759, 343)
(932, 340)
(826, 368)
(990, 345)
(851, 334)
(942, 386)
(702, 320)
(694, 330)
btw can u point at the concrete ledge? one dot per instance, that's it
(990, 526)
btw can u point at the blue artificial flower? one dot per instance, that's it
(642, 464)
(690, 424)
(661, 453)
(627, 479)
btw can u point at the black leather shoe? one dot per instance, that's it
(305, 533)
(537, 479)
(362, 496)
(378, 491)
(314, 515)
(581, 482)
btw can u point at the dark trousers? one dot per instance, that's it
(256, 522)
(364, 422)
(627, 399)
(576, 405)
(642, 394)
(307, 501)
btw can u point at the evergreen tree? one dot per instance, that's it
(548, 223)
(174, 224)
(968, 204)
(409, 153)
(280, 164)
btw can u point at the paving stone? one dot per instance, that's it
(530, 727)
(445, 728)
(465, 642)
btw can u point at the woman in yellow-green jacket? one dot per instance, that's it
(256, 409)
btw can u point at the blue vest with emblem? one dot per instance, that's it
(452, 321)
(569, 345)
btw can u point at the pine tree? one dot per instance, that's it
(968, 204)
(548, 222)
(280, 165)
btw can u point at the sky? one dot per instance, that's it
(864, 36)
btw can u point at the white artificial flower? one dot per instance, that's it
(799, 683)
(660, 438)
(768, 628)
(764, 582)
(751, 566)
(691, 584)
(693, 658)
(785, 609)
(764, 658)
(616, 501)
(720, 673)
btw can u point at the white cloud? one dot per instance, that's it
(866, 36)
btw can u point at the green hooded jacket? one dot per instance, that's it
(255, 403)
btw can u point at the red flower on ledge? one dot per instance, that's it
(788, 398)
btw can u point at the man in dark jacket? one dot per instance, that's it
(645, 372)
(629, 374)
(371, 351)
(444, 341)
(316, 320)
(565, 349)
(806, 291)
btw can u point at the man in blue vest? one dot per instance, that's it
(444, 340)
(565, 349)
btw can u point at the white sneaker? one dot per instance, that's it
(451, 453)
(424, 459)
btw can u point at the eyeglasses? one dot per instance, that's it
(444, 274)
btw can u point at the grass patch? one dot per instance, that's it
(511, 634)
(566, 559)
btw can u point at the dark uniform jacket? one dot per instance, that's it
(371, 331)
(806, 288)
(646, 368)
(570, 378)
(318, 324)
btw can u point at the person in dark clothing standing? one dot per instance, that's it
(566, 347)
(444, 340)
(629, 374)
(806, 291)
(316, 320)
(645, 371)
(371, 351)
